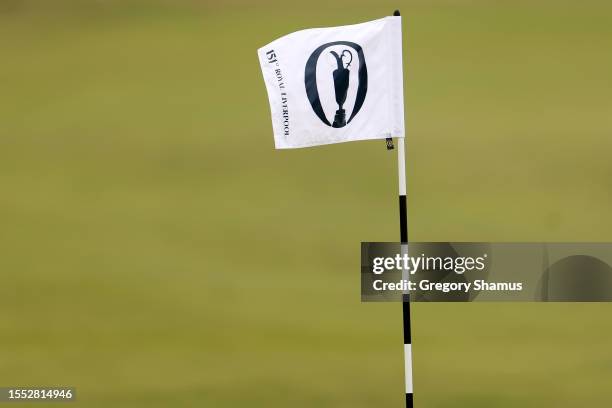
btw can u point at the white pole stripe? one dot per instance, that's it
(408, 368)
(401, 166)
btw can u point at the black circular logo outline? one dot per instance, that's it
(310, 80)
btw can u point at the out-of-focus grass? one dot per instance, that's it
(156, 251)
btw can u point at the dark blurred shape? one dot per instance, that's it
(578, 278)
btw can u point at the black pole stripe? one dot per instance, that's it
(405, 297)
(407, 328)
(403, 220)
(409, 401)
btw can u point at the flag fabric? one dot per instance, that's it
(337, 84)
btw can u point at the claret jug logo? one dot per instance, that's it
(336, 78)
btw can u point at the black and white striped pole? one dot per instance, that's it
(403, 219)
(401, 165)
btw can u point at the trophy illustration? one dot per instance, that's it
(341, 84)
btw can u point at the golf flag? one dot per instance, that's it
(337, 84)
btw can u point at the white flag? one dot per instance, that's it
(337, 84)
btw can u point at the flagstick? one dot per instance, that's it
(401, 168)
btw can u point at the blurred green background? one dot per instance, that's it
(156, 250)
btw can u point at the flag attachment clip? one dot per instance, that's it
(389, 141)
